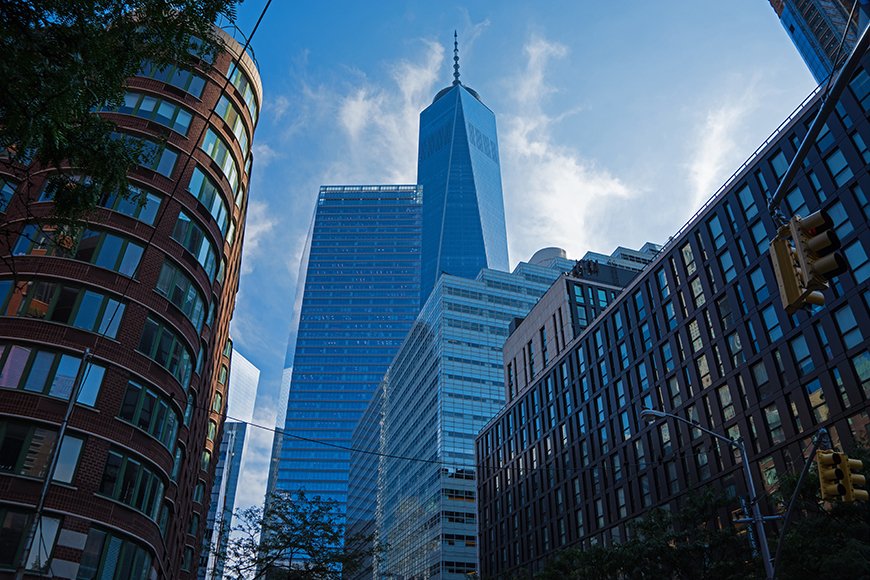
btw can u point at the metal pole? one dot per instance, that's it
(52, 466)
(757, 519)
(822, 435)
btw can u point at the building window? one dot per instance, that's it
(231, 115)
(110, 557)
(25, 448)
(182, 292)
(150, 412)
(156, 109)
(154, 156)
(771, 323)
(160, 343)
(204, 189)
(190, 234)
(215, 147)
(774, 424)
(245, 87)
(716, 232)
(726, 262)
(779, 164)
(759, 285)
(48, 372)
(7, 190)
(177, 77)
(860, 86)
(130, 482)
(698, 293)
(848, 327)
(796, 203)
(138, 204)
(747, 202)
(801, 353)
(103, 249)
(67, 458)
(63, 304)
(839, 167)
(859, 265)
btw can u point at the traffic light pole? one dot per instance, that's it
(821, 436)
(757, 518)
(828, 104)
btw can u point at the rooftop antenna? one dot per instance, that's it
(456, 59)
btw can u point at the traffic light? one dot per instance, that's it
(854, 481)
(832, 474)
(839, 477)
(804, 255)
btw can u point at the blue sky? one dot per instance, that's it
(615, 124)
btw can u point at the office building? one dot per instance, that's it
(362, 269)
(445, 383)
(242, 391)
(149, 288)
(458, 167)
(701, 333)
(361, 292)
(822, 31)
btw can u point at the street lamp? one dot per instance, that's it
(757, 519)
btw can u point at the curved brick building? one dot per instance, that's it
(149, 287)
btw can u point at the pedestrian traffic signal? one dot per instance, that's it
(854, 481)
(832, 474)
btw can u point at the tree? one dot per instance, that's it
(824, 539)
(294, 537)
(64, 59)
(683, 544)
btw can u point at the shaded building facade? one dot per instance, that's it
(149, 287)
(699, 333)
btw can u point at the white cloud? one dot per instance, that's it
(259, 222)
(551, 190)
(264, 155)
(380, 123)
(717, 150)
(277, 106)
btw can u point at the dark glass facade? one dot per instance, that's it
(361, 292)
(459, 170)
(701, 333)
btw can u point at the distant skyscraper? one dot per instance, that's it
(244, 378)
(361, 292)
(816, 27)
(459, 171)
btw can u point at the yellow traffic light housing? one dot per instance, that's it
(832, 475)
(854, 482)
(804, 255)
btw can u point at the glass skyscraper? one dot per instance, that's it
(816, 27)
(374, 254)
(459, 170)
(361, 292)
(445, 383)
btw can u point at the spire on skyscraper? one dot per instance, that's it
(456, 59)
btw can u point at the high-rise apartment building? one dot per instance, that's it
(445, 383)
(818, 27)
(361, 292)
(458, 167)
(700, 333)
(149, 287)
